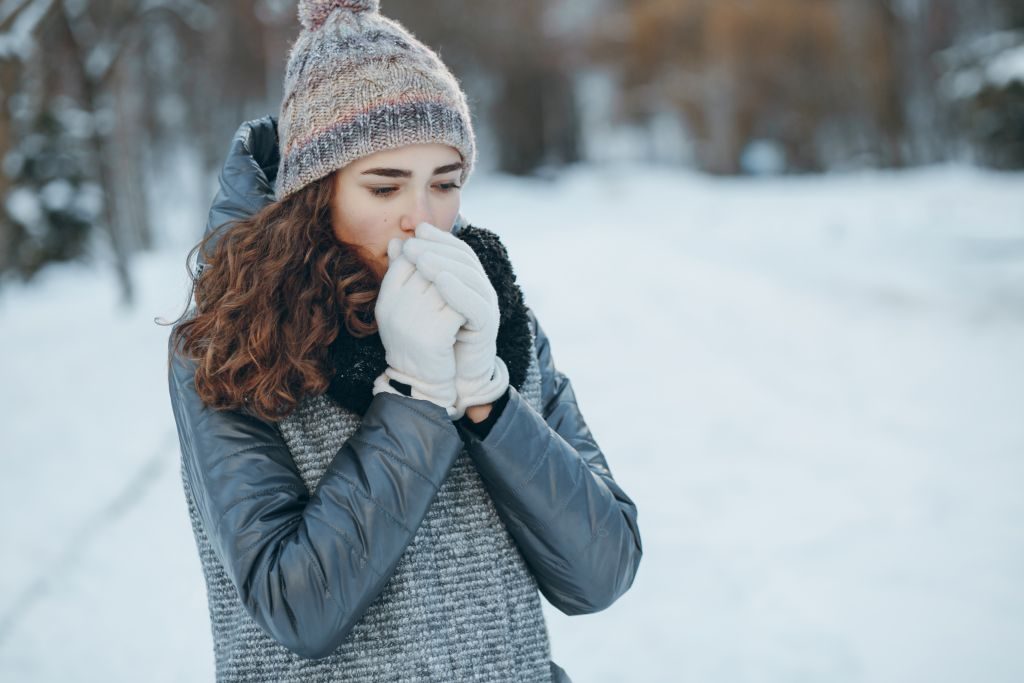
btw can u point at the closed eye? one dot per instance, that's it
(390, 190)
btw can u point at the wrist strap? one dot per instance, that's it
(402, 387)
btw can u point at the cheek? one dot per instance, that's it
(365, 232)
(360, 222)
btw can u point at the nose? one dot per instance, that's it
(417, 211)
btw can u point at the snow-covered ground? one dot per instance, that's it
(812, 387)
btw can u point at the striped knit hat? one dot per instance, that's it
(358, 83)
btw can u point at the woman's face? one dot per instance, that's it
(387, 194)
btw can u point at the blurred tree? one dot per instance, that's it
(229, 82)
(53, 204)
(819, 78)
(49, 204)
(982, 78)
(88, 88)
(96, 94)
(516, 72)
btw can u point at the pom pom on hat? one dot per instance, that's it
(313, 13)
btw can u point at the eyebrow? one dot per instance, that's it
(402, 173)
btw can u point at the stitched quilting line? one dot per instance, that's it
(540, 461)
(314, 563)
(276, 489)
(345, 537)
(580, 466)
(285, 487)
(583, 465)
(584, 469)
(252, 447)
(600, 527)
(395, 457)
(256, 494)
(424, 415)
(370, 498)
(259, 542)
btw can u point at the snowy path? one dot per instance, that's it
(811, 387)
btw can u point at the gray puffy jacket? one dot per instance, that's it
(576, 528)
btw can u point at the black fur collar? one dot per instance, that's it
(358, 361)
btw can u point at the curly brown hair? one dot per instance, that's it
(269, 302)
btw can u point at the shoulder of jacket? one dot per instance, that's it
(246, 180)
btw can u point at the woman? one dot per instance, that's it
(382, 464)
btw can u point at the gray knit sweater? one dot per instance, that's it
(461, 605)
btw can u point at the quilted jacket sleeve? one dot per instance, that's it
(550, 482)
(306, 566)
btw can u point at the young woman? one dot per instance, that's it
(383, 468)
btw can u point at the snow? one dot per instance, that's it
(810, 386)
(763, 157)
(1007, 67)
(993, 60)
(23, 205)
(57, 194)
(19, 41)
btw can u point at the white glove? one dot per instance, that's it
(481, 376)
(417, 328)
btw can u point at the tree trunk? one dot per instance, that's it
(104, 163)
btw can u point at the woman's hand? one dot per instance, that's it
(417, 328)
(481, 376)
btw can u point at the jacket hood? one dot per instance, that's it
(247, 185)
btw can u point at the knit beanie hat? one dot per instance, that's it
(358, 83)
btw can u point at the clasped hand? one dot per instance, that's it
(437, 314)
